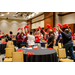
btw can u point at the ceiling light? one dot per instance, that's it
(8, 13)
(2, 14)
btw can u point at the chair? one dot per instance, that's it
(17, 57)
(9, 43)
(10, 46)
(59, 45)
(56, 48)
(8, 54)
(74, 41)
(62, 56)
(2, 40)
(22, 46)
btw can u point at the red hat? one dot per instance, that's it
(48, 25)
(39, 27)
(59, 25)
(18, 29)
(66, 25)
(27, 26)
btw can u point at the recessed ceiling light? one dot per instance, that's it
(8, 13)
(2, 14)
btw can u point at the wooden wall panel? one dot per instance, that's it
(48, 19)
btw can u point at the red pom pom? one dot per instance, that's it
(36, 29)
(2, 32)
(25, 27)
(18, 29)
(59, 25)
(39, 27)
(50, 28)
(54, 29)
(66, 25)
(48, 25)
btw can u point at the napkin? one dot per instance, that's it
(30, 53)
(50, 48)
(19, 51)
(35, 48)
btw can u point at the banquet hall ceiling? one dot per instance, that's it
(19, 15)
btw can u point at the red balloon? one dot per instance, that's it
(2, 32)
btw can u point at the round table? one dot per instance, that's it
(40, 55)
(2, 48)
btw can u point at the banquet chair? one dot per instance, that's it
(59, 45)
(10, 46)
(2, 40)
(62, 56)
(74, 41)
(17, 57)
(56, 48)
(22, 46)
(9, 43)
(8, 54)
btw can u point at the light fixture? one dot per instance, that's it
(2, 14)
(7, 13)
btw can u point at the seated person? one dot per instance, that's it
(50, 39)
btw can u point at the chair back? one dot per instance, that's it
(9, 52)
(17, 57)
(2, 40)
(10, 46)
(62, 53)
(74, 41)
(56, 48)
(9, 43)
(59, 45)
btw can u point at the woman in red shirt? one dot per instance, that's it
(74, 36)
(19, 39)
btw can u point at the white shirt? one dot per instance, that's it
(31, 39)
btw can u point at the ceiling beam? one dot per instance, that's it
(65, 13)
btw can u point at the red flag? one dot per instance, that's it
(18, 29)
(39, 27)
(48, 25)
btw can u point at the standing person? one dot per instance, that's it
(31, 39)
(67, 42)
(7, 38)
(59, 39)
(19, 38)
(11, 35)
(74, 36)
(50, 39)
